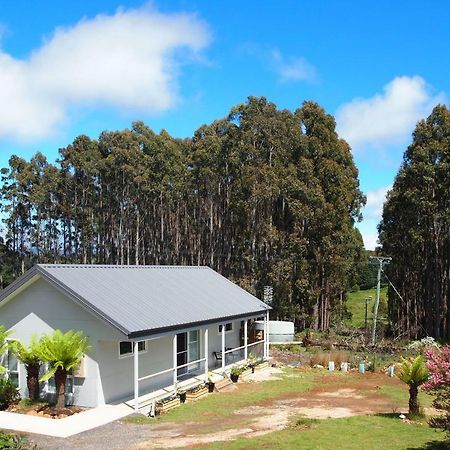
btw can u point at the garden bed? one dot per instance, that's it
(223, 384)
(196, 393)
(43, 409)
(245, 373)
(166, 405)
(262, 365)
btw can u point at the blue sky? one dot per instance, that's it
(90, 66)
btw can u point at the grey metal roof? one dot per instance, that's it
(140, 300)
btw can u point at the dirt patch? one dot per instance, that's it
(288, 357)
(333, 396)
(271, 373)
(352, 395)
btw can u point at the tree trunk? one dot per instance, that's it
(413, 401)
(33, 381)
(60, 383)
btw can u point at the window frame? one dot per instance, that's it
(129, 354)
(70, 376)
(230, 330)
(5, 358)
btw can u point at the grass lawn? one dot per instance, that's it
(360, 432)
(356, 305)
(380, 431)
(225, 403)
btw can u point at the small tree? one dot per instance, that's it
(30, 357)
(63, 352)
(4, 344)
(438, 363)
(414, 372)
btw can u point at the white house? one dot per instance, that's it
(149, 326)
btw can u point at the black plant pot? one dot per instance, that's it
(234, 378)
(211, 387)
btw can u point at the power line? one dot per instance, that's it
(403, 300)
(381, 260)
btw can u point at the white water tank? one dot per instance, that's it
(279, 330)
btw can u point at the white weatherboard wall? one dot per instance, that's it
(116, 373)
(42, 308)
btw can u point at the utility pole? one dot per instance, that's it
(381, 260)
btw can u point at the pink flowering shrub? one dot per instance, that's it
(438, 363)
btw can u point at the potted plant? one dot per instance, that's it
(181, 393)
(234, 374)
(252, 362)
(211, 383)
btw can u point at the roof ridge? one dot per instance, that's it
(120, 266)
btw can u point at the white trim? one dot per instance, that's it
(243, 346)
(128, 355)
(205, 345)
(135, 347)
(245, 339)
(188, 349)
(223, 346)
(6, 364)
(175, 361)
(162, 372)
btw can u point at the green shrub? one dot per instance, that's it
(305, 423)
(10, 441)
(9, 393)
(236, 371)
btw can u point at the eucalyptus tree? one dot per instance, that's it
(415, 231)
(265, 196)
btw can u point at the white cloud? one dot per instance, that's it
(127, 60)
(375, 201)
(370, 240)
(388, 117)
(293, 69)
(372, 213)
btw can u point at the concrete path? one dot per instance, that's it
(66, 427)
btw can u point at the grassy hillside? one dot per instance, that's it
(356, 305)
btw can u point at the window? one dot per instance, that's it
(12, 367)
(228, 327)
(193, 349)
(126, 348)
(50, 386)
(188, 349)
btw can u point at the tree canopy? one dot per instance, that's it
(264, 196)
(415, 231)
